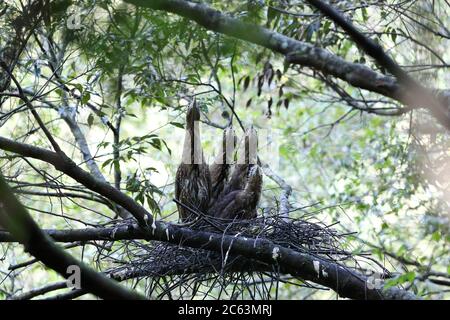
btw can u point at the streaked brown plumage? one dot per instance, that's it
(193, 181)
(241, 194)
(241, 204)
(247, 158)
(220, 168)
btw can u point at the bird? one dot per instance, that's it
(220, 168)
(193, 180)
(247, 158)
(241, 204)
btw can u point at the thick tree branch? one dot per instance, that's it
(15, 218)
(64, 164)
(68, 113)
(119, 115)
(68, 116)
(417, 94)
(345, 282)
(302, 53)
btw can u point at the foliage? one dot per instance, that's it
(125, 77)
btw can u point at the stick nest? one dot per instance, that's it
(171, 271)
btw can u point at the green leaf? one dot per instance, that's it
(364, 14)
(106, 163)
(406, 277)
(177, 124)
(90, 120)
(153, 205)
(436, 236)
(393, 36)
(85, 97)
(156, 143)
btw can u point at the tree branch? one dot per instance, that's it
(66, 165)
(286, 190)
(24, 229)
(302, 53)
(344, 281)
(416, 95)
(40, 291)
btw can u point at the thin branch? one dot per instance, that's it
(24, 229)
(305, 54)
(345, 282)
(25, 99)
(285, 193)
(66, 165)
(40, 291)
(415, 94)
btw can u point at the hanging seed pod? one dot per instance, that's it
(280, 91)
(279, 74)
(270, 76)
(240, 80)
(279, 104)
(269, 108)
(249, 102)
(269, 103)
(246, 82)
(260, 84)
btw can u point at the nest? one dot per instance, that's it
(171, 271)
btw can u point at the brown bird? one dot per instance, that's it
(193, 181)
(247, 158)
(241, 204)
(220, 168)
